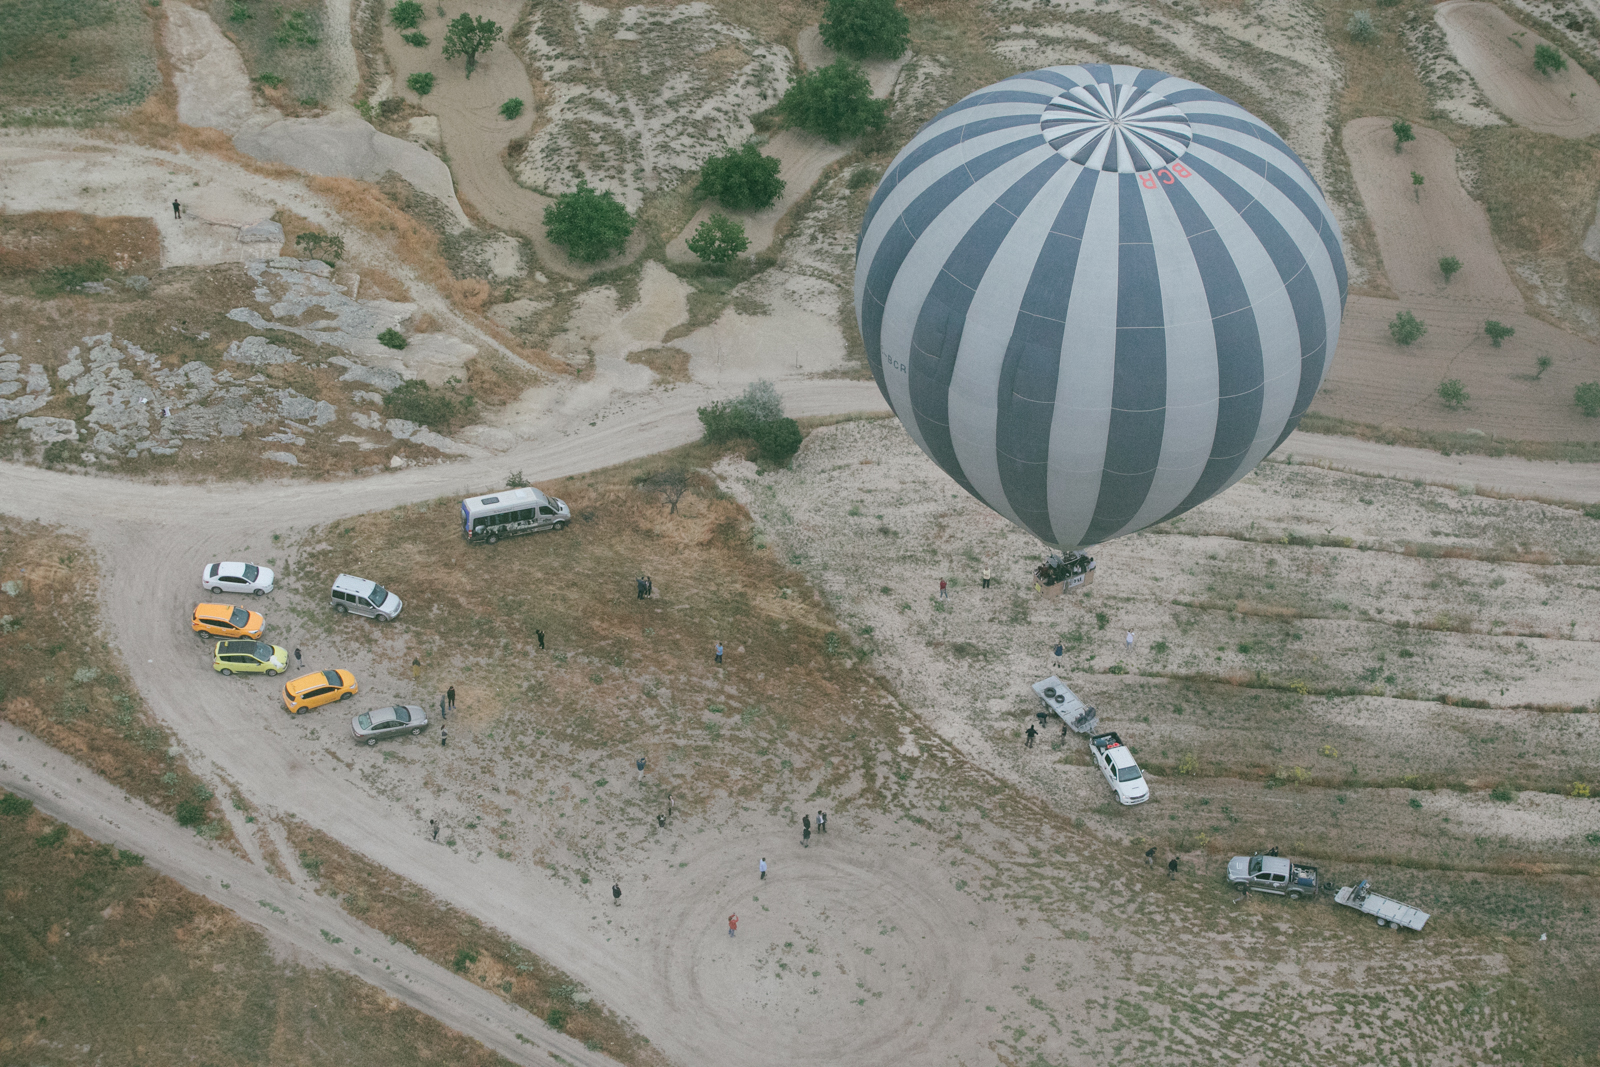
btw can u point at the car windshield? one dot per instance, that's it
(401, 714)
(1128, 774)
(331, 677)
(379, 595)
(1255, 864)
(238, 619)
(364, 721)
(251, 572)
(263, 651)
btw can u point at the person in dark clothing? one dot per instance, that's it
(1032, 733)
(661, 821)
(451, 693)
(669, 805)
(805, 820)
(442, 714)
(649, 586)
(1150, 856)
(616, 893)
(805, 838)
(177, 210)
(297, 657)
(640, 764)
(435, 824)
(540, 635)
(444, 737)
(638, 585)
(1172, 868)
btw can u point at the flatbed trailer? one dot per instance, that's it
(1062, 702)
(1387, 912)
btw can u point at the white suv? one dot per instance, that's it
(237, 578)
(361, 597)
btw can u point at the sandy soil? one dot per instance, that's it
(1498, 52)
(299, 922)
(1375, 380)
(804, 156)
(475, 135)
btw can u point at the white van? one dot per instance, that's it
(361, 597)
(510, 513)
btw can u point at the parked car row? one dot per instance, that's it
(242, 650)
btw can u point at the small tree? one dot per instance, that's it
(835, 102)
(1360, 26)
(1548, 61)
(1543, 363)
(406, 14)
(1416, 186)
(511, 108)
(777, 440)
(416, 39)
(741, 180)
(1402, 134)
(863, 29)
(1407, 328)
(1448, 265)
(467, 36)
(1453, 393)
(323, 246)
(1497, 331)
(1587, 397)
(671, 483)
(719, 239)
(420, 83)
(590, 225)
(392, 338)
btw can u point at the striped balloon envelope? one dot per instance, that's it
(1097, 296)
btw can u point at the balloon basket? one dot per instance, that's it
(1063, 574)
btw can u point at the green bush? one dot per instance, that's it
(1453, 393)
(727, 420)
(406, 14)
(1448, 265)
(1547, 61)
(59, 453)
(590, 225)
(51, 838)
(719, 239)
(1360, 26)
(323, 246)
(420, 83)
(295, 29)
(865, 28)
(511, 108)
(556, 1019)
(1505, 794)
(1587, 397)
(834, 102)
(1402, 133)
(1497, 331)
(392, 338)
(416, 401)
(190, 813)
(271, 81)
(777, 440)
(15, 806)
(1407, 328)
(465, 958)
(741, 180)
(53, 280)
(861, 177)
(416, 39)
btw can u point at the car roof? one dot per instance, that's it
(220, 609)
(349, 583)
(506, 497)
(1275, 864)
(1121, 757)
(232, 568)
(239, 646)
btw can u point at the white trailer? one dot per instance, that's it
(1061, 701)
(1388, 912)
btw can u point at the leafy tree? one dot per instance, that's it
(863, 29)
(467, 36)
(1407, 328)
(671, 483)
(741, 180)
(1547, 61)
(1360, 26)
(1497, 331)
(835, 102)
(719, 239)
(1453, 393)
(1416, 186)
(511, 108)
(406, 14)
(323, 246)
(1402, 134)
(420, 83)
(1587, 397)
(1543, 363)
(726, 420)
(777, 440)
(1448, 265)
(416, 39)
(392, 338)
(590, 225)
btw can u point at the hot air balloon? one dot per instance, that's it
(1097, 296)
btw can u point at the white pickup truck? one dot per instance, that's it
(1271, 873)
(1117, 764)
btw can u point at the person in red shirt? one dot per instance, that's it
(733, 924)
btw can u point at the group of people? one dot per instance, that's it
(805, 833)
(646, 586)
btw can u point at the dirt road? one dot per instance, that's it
(312, 925)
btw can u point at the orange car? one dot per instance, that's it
(225, 620)
(314, 690)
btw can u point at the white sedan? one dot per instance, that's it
(237, 578)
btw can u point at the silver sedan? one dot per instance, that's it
(371, 726)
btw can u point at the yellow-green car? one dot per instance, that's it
(250, 657)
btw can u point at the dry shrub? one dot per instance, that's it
(670, 364)
(36, 240)
(495, 380)
(385, 286)
(470, 293)
(424, 323)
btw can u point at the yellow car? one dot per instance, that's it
(314, 690)
(225, 620)
(250, 657)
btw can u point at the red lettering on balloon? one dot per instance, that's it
(1182, 171)
(1168, 179)
(1147, 179)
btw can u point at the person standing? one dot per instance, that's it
(1059, 650)
(442, 715)
(1129, 642)
(649, 587)
(177, 210)
(661, 821)
(1032, 733)
(805, 820)
(822, 822)
(451, 693)
(444, 737)
(540, 635)
(805, 835)
(435, 824)
(733, 923)
(616, 893)
(944, 590)
(416, 668)
(638, 585)
(719, 653)
(1150, 856)
(1172, 868)
(763, 868)
(669, 805)
(297, 657)
(640, 764)
(988, 575)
